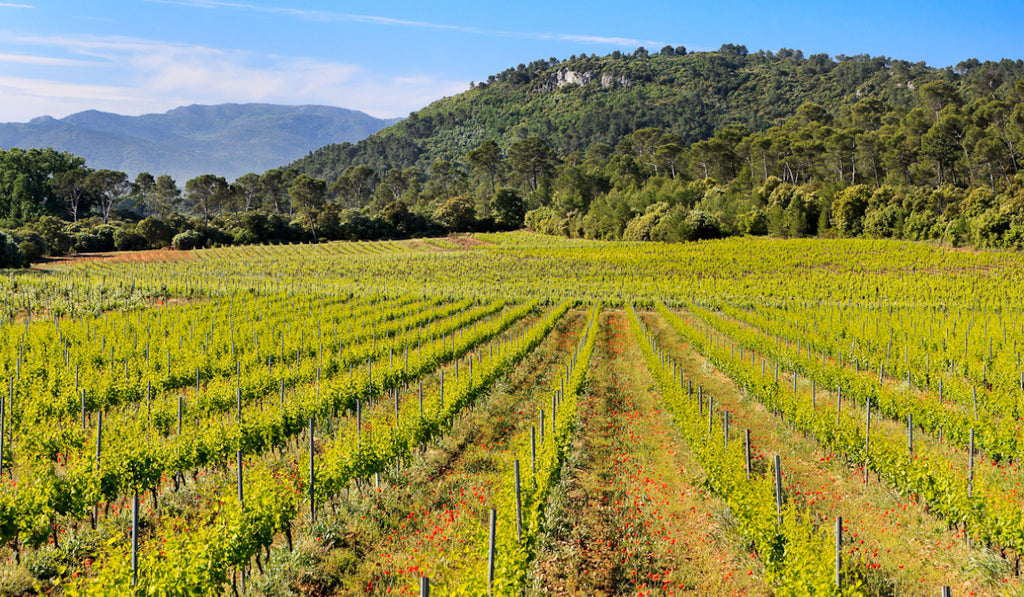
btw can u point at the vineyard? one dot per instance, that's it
(515, 414)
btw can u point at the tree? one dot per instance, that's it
(699, 225)
(848, 209)
(936, 95)
(395, 183)
(206, 193)
(109, 187)
(143, 188)
(155, 231)
(355, 186)
(988, 81)
(868, 112)
(487, 158)
(71, 186)
(246, 189)
(457, 214)
(666, 156)
(307, 194)
(940, 145)
(26, 177)
(645, 143)
(869, 150)
(166, 196)
(10, 254)
(841, 146)
(509, 209)
(53, 231)
(274, 188)
(811, 112)
(397, 214)
(445, 173)
(532, 159)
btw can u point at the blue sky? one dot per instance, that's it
(389, 58)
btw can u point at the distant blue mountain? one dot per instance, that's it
(227, 140)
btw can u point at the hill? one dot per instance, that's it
(576, 103)
(228, 139)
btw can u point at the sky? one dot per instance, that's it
(390, 58)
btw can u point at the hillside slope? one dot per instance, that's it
(575, 103)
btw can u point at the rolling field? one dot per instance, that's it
(515, 414)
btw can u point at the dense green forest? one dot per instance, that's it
(576, 103)
(648, 146)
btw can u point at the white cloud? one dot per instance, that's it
(23, 98)
(154, 76)
(9, 5)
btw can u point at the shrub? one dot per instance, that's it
(702, 226)
(640, 227)
(188, 240)
(848, 209)
(10, 254)
(129, 240)
(105, 232)
(86, 242)
(755, 223)
(32, 245)
(155, 231)
(53, 230)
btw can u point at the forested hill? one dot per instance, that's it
(576, 103)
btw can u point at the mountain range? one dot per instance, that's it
(227, 139)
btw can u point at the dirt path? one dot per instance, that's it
(630, 517)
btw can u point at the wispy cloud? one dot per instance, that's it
(156, 76)
(42, 89)
(42, 60)
(313, 15)
(9, 5)
(330, 16)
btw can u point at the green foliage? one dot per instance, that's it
(27, 185)
(457, 214)
(155, 232)
(130, 240)
(508, 208)
(584, 100)
(33, 246)
(188, 240)
(54, 233)
(848, 210)
(755, 223)
(701, 226)
(11, 255)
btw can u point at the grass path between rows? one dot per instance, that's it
(893, 543)
(425, 520)
(630, 517)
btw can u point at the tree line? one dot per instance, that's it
(52, 203)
